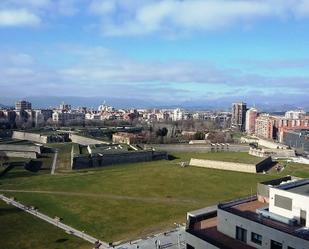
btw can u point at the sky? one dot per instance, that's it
(162, 51)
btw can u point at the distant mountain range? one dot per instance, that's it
(223, 104)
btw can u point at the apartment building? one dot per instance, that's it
(276, 218)
(264, 127)
(239, 115)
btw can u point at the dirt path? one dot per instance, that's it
(106, 196)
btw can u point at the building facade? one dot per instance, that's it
(239, 116)
(22, 105)
(264, 127)
(253, 223)
(251, 116)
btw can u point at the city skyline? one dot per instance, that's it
(158, 52)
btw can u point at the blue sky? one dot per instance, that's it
(164, 51)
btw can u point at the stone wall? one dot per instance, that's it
(241, 167)
(85, 140)
(30, 137)
(20, 154)
(81, 162)
(271, 152)
(20, 148)
(271, 145)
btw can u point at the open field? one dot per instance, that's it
(19, 230)
(128, 201)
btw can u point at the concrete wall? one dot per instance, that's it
(85, 140)
(227, 223)
(81, 162)
(264, 164)
(271, 152)
(30, 137)
(198, 243)
(242, 167)
(20, 148)
(297, 204)
(21, 154)
(270, 144)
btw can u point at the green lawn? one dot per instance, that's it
(128, 201)
(19, 230)
(64, 155)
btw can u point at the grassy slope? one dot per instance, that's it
(19, 230)
(164, 192)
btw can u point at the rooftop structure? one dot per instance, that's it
(275, 218)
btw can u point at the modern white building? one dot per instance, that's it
(275, 218)
(178, 114)
(298, 114)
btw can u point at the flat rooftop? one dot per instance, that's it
(248, 210)
(208, 230)
(302, 190)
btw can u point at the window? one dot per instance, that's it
(289, 247)
(303, 215)
(256, 238)
(189, 247)
(241, 234)
(275, 245)
(283, 202)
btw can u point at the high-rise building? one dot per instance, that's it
(22, 105)
(264, 127)
(250, 120)
(239, 115)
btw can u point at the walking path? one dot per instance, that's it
(54, 162)
(55, 222)
(169, 240)
(114, 197)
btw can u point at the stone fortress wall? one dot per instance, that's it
(85, 140)
(23, 151)
(240, 167)
(90, 161)
(30, 137)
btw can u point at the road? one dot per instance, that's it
(200, 147)
(54, 162)
(55, 222)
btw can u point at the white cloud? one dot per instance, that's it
(134, 17)
(20, 17)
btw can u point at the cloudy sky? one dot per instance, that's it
(157, 50)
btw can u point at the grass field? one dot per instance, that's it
(19, 230)
(128, 201)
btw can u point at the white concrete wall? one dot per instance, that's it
(299, 202)
(241, 167)
(227, 223)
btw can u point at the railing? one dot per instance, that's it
(55, 222)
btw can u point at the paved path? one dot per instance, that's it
(66, 228)
(170, 240)
(54, 162)
(114, 197)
